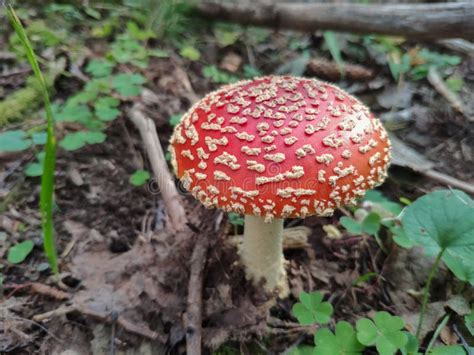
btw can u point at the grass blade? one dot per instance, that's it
(330, 39)
(47, 179)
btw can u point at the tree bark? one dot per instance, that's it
(421, 21)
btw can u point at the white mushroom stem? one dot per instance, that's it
(262, 253)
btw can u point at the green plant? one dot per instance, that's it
(190, 52)
(376, 211)
(218, 76)
(442, 222)
(331, 40)
(342, 341)
(139, 177)
(19, 252)
(432, 59)
(47, 179)
(384, 331)
(311, 309)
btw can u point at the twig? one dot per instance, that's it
(459, 45)
(169, 193)
(193, 316)
(103, 317)
(426, 21)
(465, 345)
(448, 180)
(439, 85)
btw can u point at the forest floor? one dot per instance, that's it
(126, 274)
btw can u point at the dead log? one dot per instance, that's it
(422, 21)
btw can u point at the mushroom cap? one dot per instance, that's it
(278, 147)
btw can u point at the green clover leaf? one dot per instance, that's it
(384, 332)
(312, 309)
(77, 140)
(14, 141)
(342, 342)
(444, 221)
(106, 108)
(99, 68)
(128, 84)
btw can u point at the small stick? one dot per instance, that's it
(193, 316)
(440, 86)
(106, 318)
(448, 180)
(168, 190)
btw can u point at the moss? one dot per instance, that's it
(17, 105)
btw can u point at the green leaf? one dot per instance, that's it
(312, 309)
(77, 140)
(190, 52)
(251, 72)
(384, 332)
(105, 108)
(236, 219)
(74, 113)
(371, 223)
(159, 53)
(442, 220)
(462, 268)
(218, 76)
(14, 141)
(343, 341)
(34, 169)
(226, 37)
(469, 321)
(302, 350)
(175, 119)
(47, 179)
(448, 350)
(128, 84)
(19, 252)
(39, 138)
(331, 41)
(455, 83)
(412, 345)
(351, 225)
(99, 68)
(400, 237)
(139, 177)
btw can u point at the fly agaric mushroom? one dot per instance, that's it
(278, 147)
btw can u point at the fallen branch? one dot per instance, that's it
(193, 316)
(169, 193)
(422, 21)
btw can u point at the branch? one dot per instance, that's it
(193, 316)
(168, 190)
(422, 21)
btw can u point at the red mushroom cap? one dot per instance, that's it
(279, 146)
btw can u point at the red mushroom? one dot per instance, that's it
(278, 147)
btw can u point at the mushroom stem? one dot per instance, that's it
(262, 253)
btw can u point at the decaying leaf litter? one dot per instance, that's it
(128, 275)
